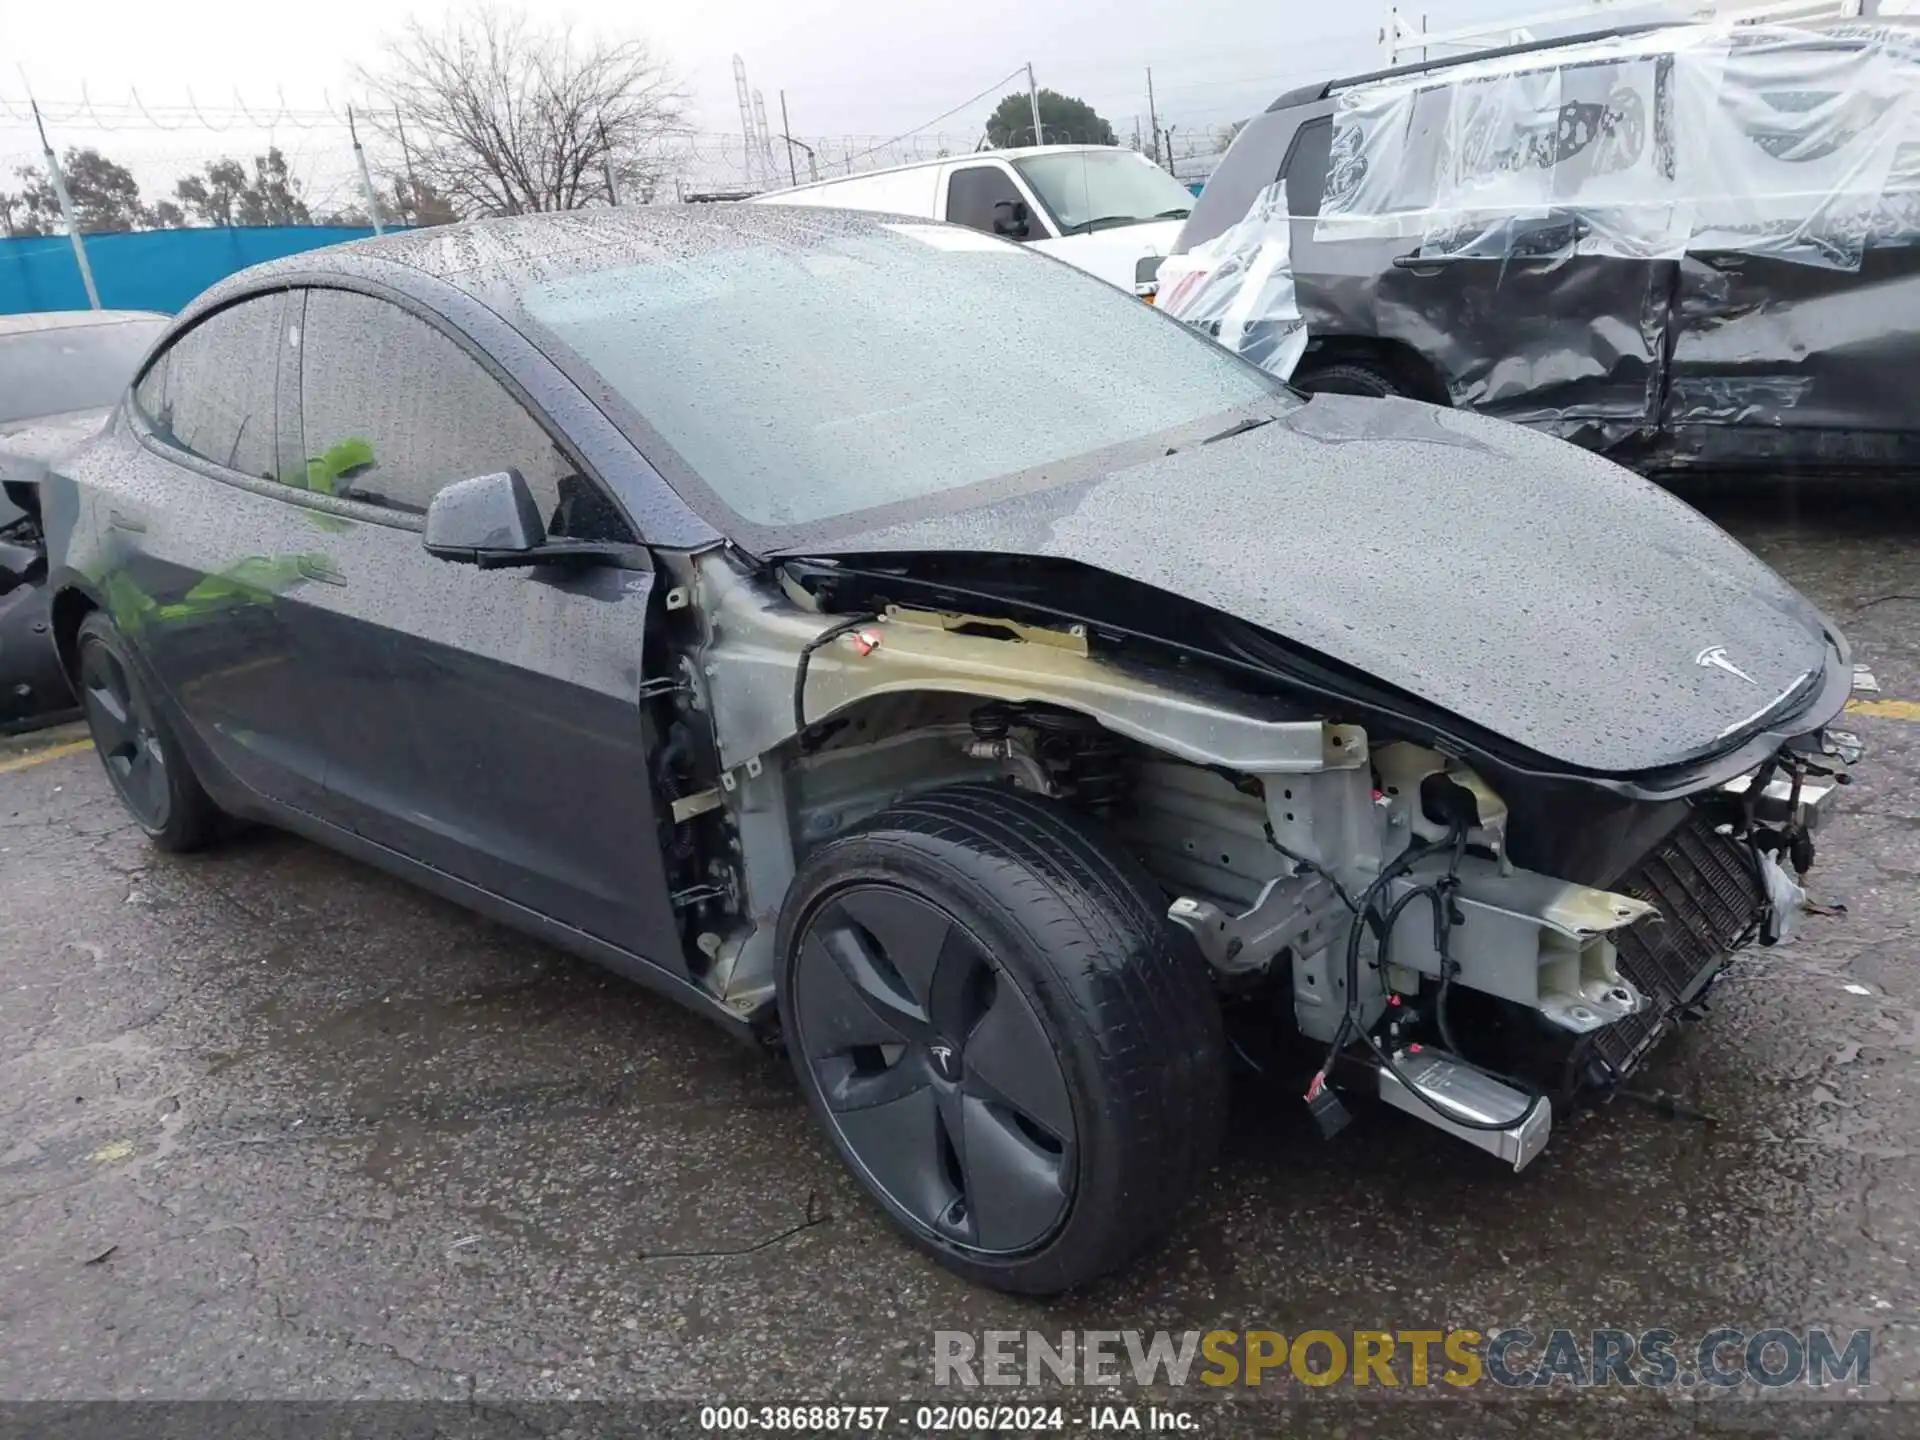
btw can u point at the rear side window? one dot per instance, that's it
(210, 393)
(391, 410)
(975, 194)
(1306, 172)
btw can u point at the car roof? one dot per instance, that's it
(480, 257)
(70, 319)
(1308, 94)
(1016, 152)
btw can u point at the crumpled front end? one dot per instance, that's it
(1426, 915)
(1425, 963)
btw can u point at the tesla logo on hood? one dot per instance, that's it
(1716, 656)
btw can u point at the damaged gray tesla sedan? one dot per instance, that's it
(912, 651)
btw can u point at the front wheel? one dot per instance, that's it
(144, 762)
(1009, 1045)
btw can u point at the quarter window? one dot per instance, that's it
(391, 410)
(1307, 167)
(210, 393)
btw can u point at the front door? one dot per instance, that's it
(486, 723)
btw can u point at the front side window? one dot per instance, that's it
(984, 197)
(1090, 190)
(806, 379)
(210, 393)
(391, 410)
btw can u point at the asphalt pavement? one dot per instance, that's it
(275, 1126)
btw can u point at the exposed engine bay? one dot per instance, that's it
(1388, 906)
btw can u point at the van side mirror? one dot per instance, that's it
(489, 521)
(1010, 219)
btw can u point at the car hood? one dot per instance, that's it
(1540, 592)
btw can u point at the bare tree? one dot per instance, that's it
(502, 117)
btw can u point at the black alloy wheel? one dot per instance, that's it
(144, 764)
(934, 1069)
(1008, 1043)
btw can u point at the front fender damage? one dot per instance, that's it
(1373, 891)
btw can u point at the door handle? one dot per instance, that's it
(1580, 230)
(1414, 260)
(120, 520)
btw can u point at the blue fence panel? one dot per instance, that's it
(146, 269)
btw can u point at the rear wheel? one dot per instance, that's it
(1012, 1049)
(1349, 377)
(144, 763)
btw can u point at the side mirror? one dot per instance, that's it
(489, 521)
(1012, 223)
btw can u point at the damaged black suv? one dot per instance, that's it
(1684, 246)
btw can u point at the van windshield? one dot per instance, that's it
(1091, 190)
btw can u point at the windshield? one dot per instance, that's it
(833, 371)
(1094, 189)
(70, 367)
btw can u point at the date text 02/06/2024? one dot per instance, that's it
(943, 1419)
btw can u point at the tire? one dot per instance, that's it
(144, 762)
(1349, 377)
(1085, 1066)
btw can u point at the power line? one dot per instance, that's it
(944, 115)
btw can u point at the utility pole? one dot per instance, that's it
(1153, 117)
(66, 208)
(366, 180)
(606, 162)
(406, 155)
(786, 132)
(1170, 130)
(1033, 99)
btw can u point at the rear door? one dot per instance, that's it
(1776, 361)
(202, 562)
(486, 723)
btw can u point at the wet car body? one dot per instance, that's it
(1717, 359)
(883, 728)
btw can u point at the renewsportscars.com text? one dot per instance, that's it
(1511, 1358)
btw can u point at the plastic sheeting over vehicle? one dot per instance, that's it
(1798, 143)
(1238, 287)
(1690, 247)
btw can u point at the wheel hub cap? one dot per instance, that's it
(125, 735)
(935, 1070)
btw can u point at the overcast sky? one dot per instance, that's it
(865, 67)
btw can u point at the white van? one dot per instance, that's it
(1111, 212)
